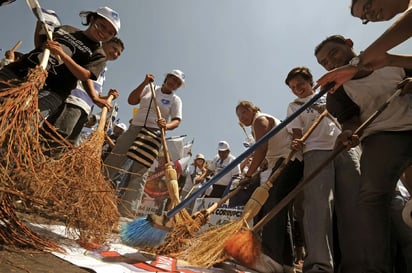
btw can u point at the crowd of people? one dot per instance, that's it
(349, 213)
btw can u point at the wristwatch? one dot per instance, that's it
(355, 62)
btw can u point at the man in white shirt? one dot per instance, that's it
(219, 162)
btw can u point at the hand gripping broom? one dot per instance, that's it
(163, 222)
(144, 232)
(244, 246)
(206, 249)
(178, 238)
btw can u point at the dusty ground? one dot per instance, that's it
(31, 261)
(17, 260)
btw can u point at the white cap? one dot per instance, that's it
(107, 13)
(122, 125)
(179, 74)
(223, 146)
(200, 156)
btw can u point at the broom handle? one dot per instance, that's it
(16, 46)
(223, 200)
(291, 195)
(312, 128)
(249, 151)
(162, 130)
(103, 115)
(276, 174)
(171, 187)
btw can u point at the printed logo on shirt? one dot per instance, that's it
(165, 101)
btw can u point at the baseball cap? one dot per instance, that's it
(200, 156)
(122, 125)
(223, 146)
(179, 74)
(107, 13)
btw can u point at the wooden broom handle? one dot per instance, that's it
(102, 121)
(276, 174)
(291, 195)
(162, 130)
(16, 46)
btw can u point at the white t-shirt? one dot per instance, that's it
(216, 165)
(170, 106)
(370, 92)
(324, 136)
(81, 98)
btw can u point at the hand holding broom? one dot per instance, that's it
(214, 251)
(261, 194)
(142, 231)
(244, 246)
(37, 11)
(170, 172)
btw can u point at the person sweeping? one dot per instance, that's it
(75, 55)
(202, 251)
(245, 246)
(170, 106)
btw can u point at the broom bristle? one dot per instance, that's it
(207, 249)
(244, 247)
(142, 233)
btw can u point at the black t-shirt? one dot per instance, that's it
(342, 107)
(75, 44)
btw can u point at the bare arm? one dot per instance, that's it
(397, 33)
(134, 96)
(93, 94)
(173, 124)
(77, 70)
(261, 126)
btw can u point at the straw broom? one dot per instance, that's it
(77, 188)
(179, 237)
(20, 149)
(245, 246)
(149, 231)
(162, 224)
(206, 249)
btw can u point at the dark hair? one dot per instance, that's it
(248, 105)
(87, 18)
(351, 6)
(302, 71)
(116, 40)
(334, 38)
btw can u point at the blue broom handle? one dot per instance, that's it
(246, 153)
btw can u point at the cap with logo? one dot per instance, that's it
(107, 13)
(179, 74)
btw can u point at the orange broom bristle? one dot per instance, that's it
(244, 247)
